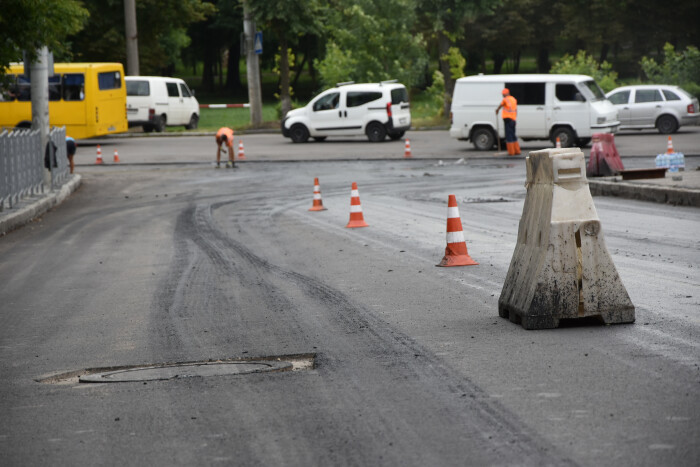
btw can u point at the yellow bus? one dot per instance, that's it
(89, 99)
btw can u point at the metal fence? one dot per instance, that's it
(22, 163)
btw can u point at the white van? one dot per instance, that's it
(154, 102)
(569, 107)
(376, 110)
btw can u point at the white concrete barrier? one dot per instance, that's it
(561, 268)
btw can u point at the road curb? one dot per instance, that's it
(645, 192)
(26, 214)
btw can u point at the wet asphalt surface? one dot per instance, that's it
(183, 262)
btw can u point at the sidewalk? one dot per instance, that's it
(32, 207)
(683, 192)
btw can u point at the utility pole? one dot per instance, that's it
(39, 85)
(132, 43)
(253, 73)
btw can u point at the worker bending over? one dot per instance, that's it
(224, 136)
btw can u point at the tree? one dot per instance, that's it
(28, 25)
(288, 20)
(373, 40)
(584, 64)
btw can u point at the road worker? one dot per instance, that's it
(509, 115)
(224, 136)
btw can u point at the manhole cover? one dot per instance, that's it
(184, 370)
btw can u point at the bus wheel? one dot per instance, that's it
(159, 123)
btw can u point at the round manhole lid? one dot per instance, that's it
(184, 370)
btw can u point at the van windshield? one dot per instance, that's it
(594, 91)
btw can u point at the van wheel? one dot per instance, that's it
(483, 139)
(376, 132)
(159, 123)
(299, 133)
(194, 122)
(666, 124)
(566, 136)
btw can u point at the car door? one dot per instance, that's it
(326, 117)
(569, 106)
(531, 119)
(647, 105)
(621, 100)
(175, 104)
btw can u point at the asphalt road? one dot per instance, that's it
(180, 262)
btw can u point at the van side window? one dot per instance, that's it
(399, 95)
(8, 88)
(109, 80)
(670, 96)
(172, 90)
(327, 102)
(138, 88)
(73, 87)
(185, 91)
(619, 98)
(568, 93)
(55, 87)
(355, 99)
(527, 93)
(647, 95)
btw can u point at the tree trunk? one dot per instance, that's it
(604, 52)
(543, 65)
(516, 62)
(285, 98)
(498, 59)
(443, 49)
(233, 76)
(208, 71)
(299, 69)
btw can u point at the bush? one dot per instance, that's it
(679, 68)
(436, 91)
(583, 64)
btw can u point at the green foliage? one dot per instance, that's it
(456, 61)
(436, 91)
(28, 25)
(584, 64)
(373, 40)
(679, 68)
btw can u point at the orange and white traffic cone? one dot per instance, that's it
(456, 251)
(356, 217)
(407, 152)
(669, 146)
(558, 143)
(241, 151)
(318, 202)
(116, 157)
(99, 155)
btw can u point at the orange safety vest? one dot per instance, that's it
(510, 107)
(229, 135)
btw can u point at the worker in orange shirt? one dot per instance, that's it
(224, 136)
(510, 114)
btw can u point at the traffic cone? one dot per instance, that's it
(669, 146)
(116, 157)
(356, 217)
(99, 155)
(456, 251)
(407, 152)
(318, 202)
(241, 151)
(558, 143)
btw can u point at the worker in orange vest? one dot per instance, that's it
(224, 136)
(509, 115)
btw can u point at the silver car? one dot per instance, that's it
(665, 108)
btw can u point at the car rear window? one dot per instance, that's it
(399, 95)
(670, 96)
(138, 88)
(647, 95)
(355, 99)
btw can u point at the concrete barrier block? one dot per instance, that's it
(561, 268)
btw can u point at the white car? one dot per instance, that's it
(155, 102)
(665, 108)
(376, 110)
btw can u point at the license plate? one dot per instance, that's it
(402, 120)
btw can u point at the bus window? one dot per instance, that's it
(8, 88)
(24, 88)
(55, 87)
(73, 87)
(109, 80)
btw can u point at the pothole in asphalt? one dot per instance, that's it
(181, 370)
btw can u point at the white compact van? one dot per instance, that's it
(155, 102)
(569, 107)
